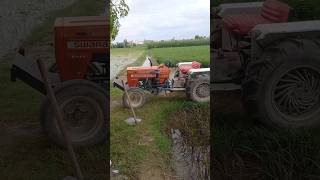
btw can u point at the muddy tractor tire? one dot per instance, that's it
(84, 106)
(137, 98)
(282, 88)
(200, 89)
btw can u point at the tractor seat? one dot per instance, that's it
(184, 68)
(272, 11)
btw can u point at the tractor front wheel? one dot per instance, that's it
(137, 98)
(84, 108)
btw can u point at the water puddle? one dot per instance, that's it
(189, 131)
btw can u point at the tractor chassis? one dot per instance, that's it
(26, 70)
(118, 84)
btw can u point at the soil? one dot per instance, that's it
(228, 103)
(152, 167)
(16, 133)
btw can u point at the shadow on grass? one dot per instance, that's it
(245, 149)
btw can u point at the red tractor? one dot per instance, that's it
(188, 77)
(275, 63)
(79, 78)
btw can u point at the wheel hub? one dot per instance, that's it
(297, 93)
(203, 90)
(82, 115)
(135, 98)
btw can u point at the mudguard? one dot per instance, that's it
(264, 35)
(239, 8)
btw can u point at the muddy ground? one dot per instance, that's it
(19, 17)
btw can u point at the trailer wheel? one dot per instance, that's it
(84, 107)
(137, 98)
(200, 89)
(282, 88)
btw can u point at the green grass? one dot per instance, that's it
(127, 52)
(19, 102)
(34, 157)
(180, 54)
(245, 149)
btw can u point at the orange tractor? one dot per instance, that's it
(79, 77)
(188, 77)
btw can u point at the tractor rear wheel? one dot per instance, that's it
(84, 106)
(200, 89)
(282, 88)
(137, 98)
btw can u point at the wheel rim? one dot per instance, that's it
(83, 116)
(135, 98)
(297, 93)
(203, 90)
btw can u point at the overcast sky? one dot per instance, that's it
(165, 19)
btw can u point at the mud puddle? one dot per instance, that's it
(189, 131)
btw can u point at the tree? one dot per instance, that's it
(125, 43)
(118, 9)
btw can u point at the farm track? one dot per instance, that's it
(19, 17)
(119, 62)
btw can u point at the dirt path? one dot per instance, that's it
(19, 17)
(119, 62)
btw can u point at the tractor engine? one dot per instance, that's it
(150, 77)
(81, 48)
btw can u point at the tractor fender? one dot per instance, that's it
(264, 35)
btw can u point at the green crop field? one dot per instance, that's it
(181, 54)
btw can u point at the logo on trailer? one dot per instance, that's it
(86, 44)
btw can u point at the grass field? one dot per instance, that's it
(179, 54)
(25, 152)
(125, 52)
